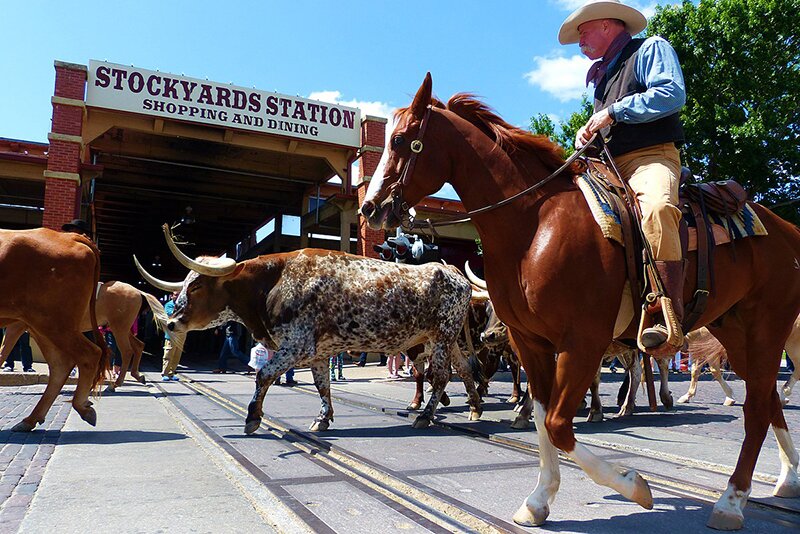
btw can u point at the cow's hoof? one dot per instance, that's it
(531, 518)
(445, 400)
(513, 399)
(251, 426)
(725, 520)
(685, 399)
(141, 379)
(320, 426)
(475, 415)
(595, 417)
(90, 416)
(422, 421)
(636, 488)
(521, 423)
(413, 406)
(23, 426)
(729, 402)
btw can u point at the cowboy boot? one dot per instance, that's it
(672, 275)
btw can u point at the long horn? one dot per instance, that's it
(472, 278)
(155, 282)
(480, 295)
(220, 267)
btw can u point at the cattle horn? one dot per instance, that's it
(479, 295)
(220, 266)
(472, 278)
(155, 282)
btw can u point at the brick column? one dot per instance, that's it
(373, 139)
(62, 194)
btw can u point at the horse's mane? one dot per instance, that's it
(508, 137)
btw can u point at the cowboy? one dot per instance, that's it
(638, 94)
(78, 226)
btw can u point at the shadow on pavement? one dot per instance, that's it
(113, 437)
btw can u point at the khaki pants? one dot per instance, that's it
(171, 358)
(654, 175)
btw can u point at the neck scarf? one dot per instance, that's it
(599, 68)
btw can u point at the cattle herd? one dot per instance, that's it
(305, 305)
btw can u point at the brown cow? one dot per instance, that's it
(118, 306)
(49, 279)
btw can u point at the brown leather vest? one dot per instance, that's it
(619, 82)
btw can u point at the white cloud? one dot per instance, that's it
(562, 77)
(378, 109)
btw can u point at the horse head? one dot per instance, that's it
(413, 168)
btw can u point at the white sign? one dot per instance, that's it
(124, 88)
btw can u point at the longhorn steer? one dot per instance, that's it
(48, 280)
(117, 307)
(309, 304)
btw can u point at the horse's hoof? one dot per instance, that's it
(521, 423)
(668, 404)
(531, 518)
(445, 400)
(90, 416)
(320, 426)
(595, 417)
(725, 520)
(729, 402)
(141, 379)
(251, 426)
(23, 426)
(111, 388)
(787, 487)
(685, 399)
(513, 399)
(582, 405)
(475, 415)
(413, 406)
(423, 421)
(429, 390)
(637, 488)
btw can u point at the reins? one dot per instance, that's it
(401, 209)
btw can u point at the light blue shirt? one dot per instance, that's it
(658, 69)
(169, 307)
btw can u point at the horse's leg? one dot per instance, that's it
(419, 381)
(439, 370)
(756, 344)
(322, 380)
(524, 410)
(536, 508)
(633, 370)
(125, 349)
(464, 370)
(788, 484)
(13, 332)
(792, 349)
(596, 410)
(58, 371)
(692, 384)
(716, 372)
(786, 390)
(516, 373)
(664, 393)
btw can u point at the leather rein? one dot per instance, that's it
(401, 209)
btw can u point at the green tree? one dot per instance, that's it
(741, 61)
(563, 133)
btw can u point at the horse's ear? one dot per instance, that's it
(423, 97)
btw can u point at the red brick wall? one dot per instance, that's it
(62, 196)
(373, 134)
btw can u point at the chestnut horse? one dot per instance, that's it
(558, 284)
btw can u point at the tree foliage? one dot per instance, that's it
(741, 62)
(563, 133)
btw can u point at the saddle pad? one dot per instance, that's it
(745, 223)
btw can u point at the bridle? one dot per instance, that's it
(402, 212)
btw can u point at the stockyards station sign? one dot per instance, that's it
(136, 90)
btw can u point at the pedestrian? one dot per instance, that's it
(407, 366)
(336, 363)
(362, 359)
(290, 381)
(259, 356)
(391, 365)
(116, 356)
(613, 365)
(230, 347)
(172, 354)
(639, 91)
(22, 352)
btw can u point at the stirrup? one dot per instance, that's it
(671, 330)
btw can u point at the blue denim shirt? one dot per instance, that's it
(657, 68)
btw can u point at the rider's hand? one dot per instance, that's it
(596, 122)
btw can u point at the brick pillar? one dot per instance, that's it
(62, 194)
(373, 139)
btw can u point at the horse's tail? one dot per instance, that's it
(705, 348)
(104, 364)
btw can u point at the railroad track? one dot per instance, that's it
(439, 512)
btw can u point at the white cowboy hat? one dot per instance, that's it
(601, 9)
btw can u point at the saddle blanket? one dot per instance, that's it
(745, 223)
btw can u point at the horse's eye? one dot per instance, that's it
(397, 140)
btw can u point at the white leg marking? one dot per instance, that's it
(626, 481)
(536, 508)
(727, 513)
(788, 483)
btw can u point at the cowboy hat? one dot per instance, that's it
(78, 226)
(601, 9)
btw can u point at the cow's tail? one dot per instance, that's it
(103, 366)
(705, 348)
(161, 319)
(481, 383)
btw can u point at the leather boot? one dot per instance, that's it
(672, 275)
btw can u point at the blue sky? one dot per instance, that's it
(370, 53)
